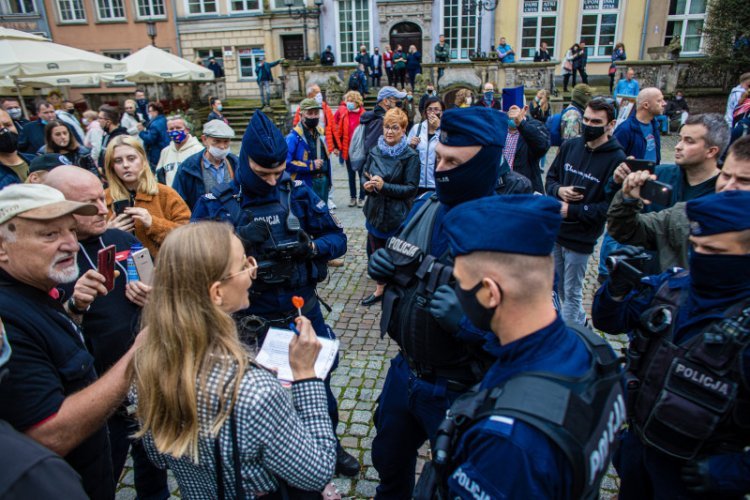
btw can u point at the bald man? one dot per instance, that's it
(109, 320)
(639, 134)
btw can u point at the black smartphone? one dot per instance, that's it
(638, 165)
(579, 189)
(106, 266)
(119, 206)
(657, 192)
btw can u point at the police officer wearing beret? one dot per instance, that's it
(440, 350)
(688, 385)
(288, 229)
(503, 282)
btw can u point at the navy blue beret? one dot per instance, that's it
(521, 224)
(263, 142)
(473, 126)
(723, 212)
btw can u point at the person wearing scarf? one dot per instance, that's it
(716, 288)
(391, 176)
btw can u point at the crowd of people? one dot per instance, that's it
(478, 256)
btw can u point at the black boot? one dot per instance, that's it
(346, 464)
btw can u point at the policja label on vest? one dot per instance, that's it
(402, 247)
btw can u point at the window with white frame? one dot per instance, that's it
(599, 26)
(116, 54)
(354, 28)
(539, 21)
(201, 6)
(151, 9)
(248, 57)
(685, 21)
(279, 4)
(110, 10)
(71, 10)
(244, 5)
(210, 53)
(10, 7)
(459, 28)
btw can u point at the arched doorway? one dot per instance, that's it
(406, 34)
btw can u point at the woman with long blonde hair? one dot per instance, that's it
(152, 210)
(203, 405)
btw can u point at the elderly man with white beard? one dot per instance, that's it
(52, 392)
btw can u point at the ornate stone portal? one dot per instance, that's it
(392, 13)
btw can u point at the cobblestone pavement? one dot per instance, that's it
(365, 357)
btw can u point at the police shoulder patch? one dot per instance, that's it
(298, 184)
(210, 196)
(499, 424)
(336, 220)
(320, 204)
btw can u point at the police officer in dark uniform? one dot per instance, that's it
(687, 385)
(440, 350)
(510, 436)
(290, 232)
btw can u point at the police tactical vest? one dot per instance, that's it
(581, 415)
(429, 349)
(691, 398)
(276, 268)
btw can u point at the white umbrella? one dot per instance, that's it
(153, 65)
(23, 55)
(26, 55)
(83, 79)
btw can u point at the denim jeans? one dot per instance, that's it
(570, 268)
(265, 93)
(353, 181)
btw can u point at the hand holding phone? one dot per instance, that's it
(637, 165)
(144, 265)
(657, 192)
(106, 266)
(119, 206)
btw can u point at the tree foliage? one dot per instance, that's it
(727, 21)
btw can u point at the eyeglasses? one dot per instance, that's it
(394, 128)
(250, 265)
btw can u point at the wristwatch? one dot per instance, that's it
(72, 307)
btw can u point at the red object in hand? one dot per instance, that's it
(299, 303)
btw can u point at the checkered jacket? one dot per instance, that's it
(278, 435)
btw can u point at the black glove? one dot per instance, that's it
(696, 476)
(380, 267)
(304, 249)
(446, 309)
(254, 233)
(618, 285)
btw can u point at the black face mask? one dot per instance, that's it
(141, 102)
(311, 123)
(480, 316)
(474, 179)
(8, 141)
(591, 133)
(719, 276)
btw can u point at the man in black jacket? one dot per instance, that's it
(109, 119)
(488, 99)
(31, 137)
(542, 55)
(110, 322)
(578, 177)
(388, 98)
(527, 142)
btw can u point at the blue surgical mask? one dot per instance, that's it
(44, 122)
(489, 96)
(351, 106)
(219, 107)
(511, 123)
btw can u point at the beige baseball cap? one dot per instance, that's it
(38, 202)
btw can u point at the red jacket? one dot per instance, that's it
(331, 129)
(342, 126)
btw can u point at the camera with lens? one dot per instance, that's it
(627, 269)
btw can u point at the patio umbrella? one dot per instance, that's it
(23, 55)
(154, 65)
